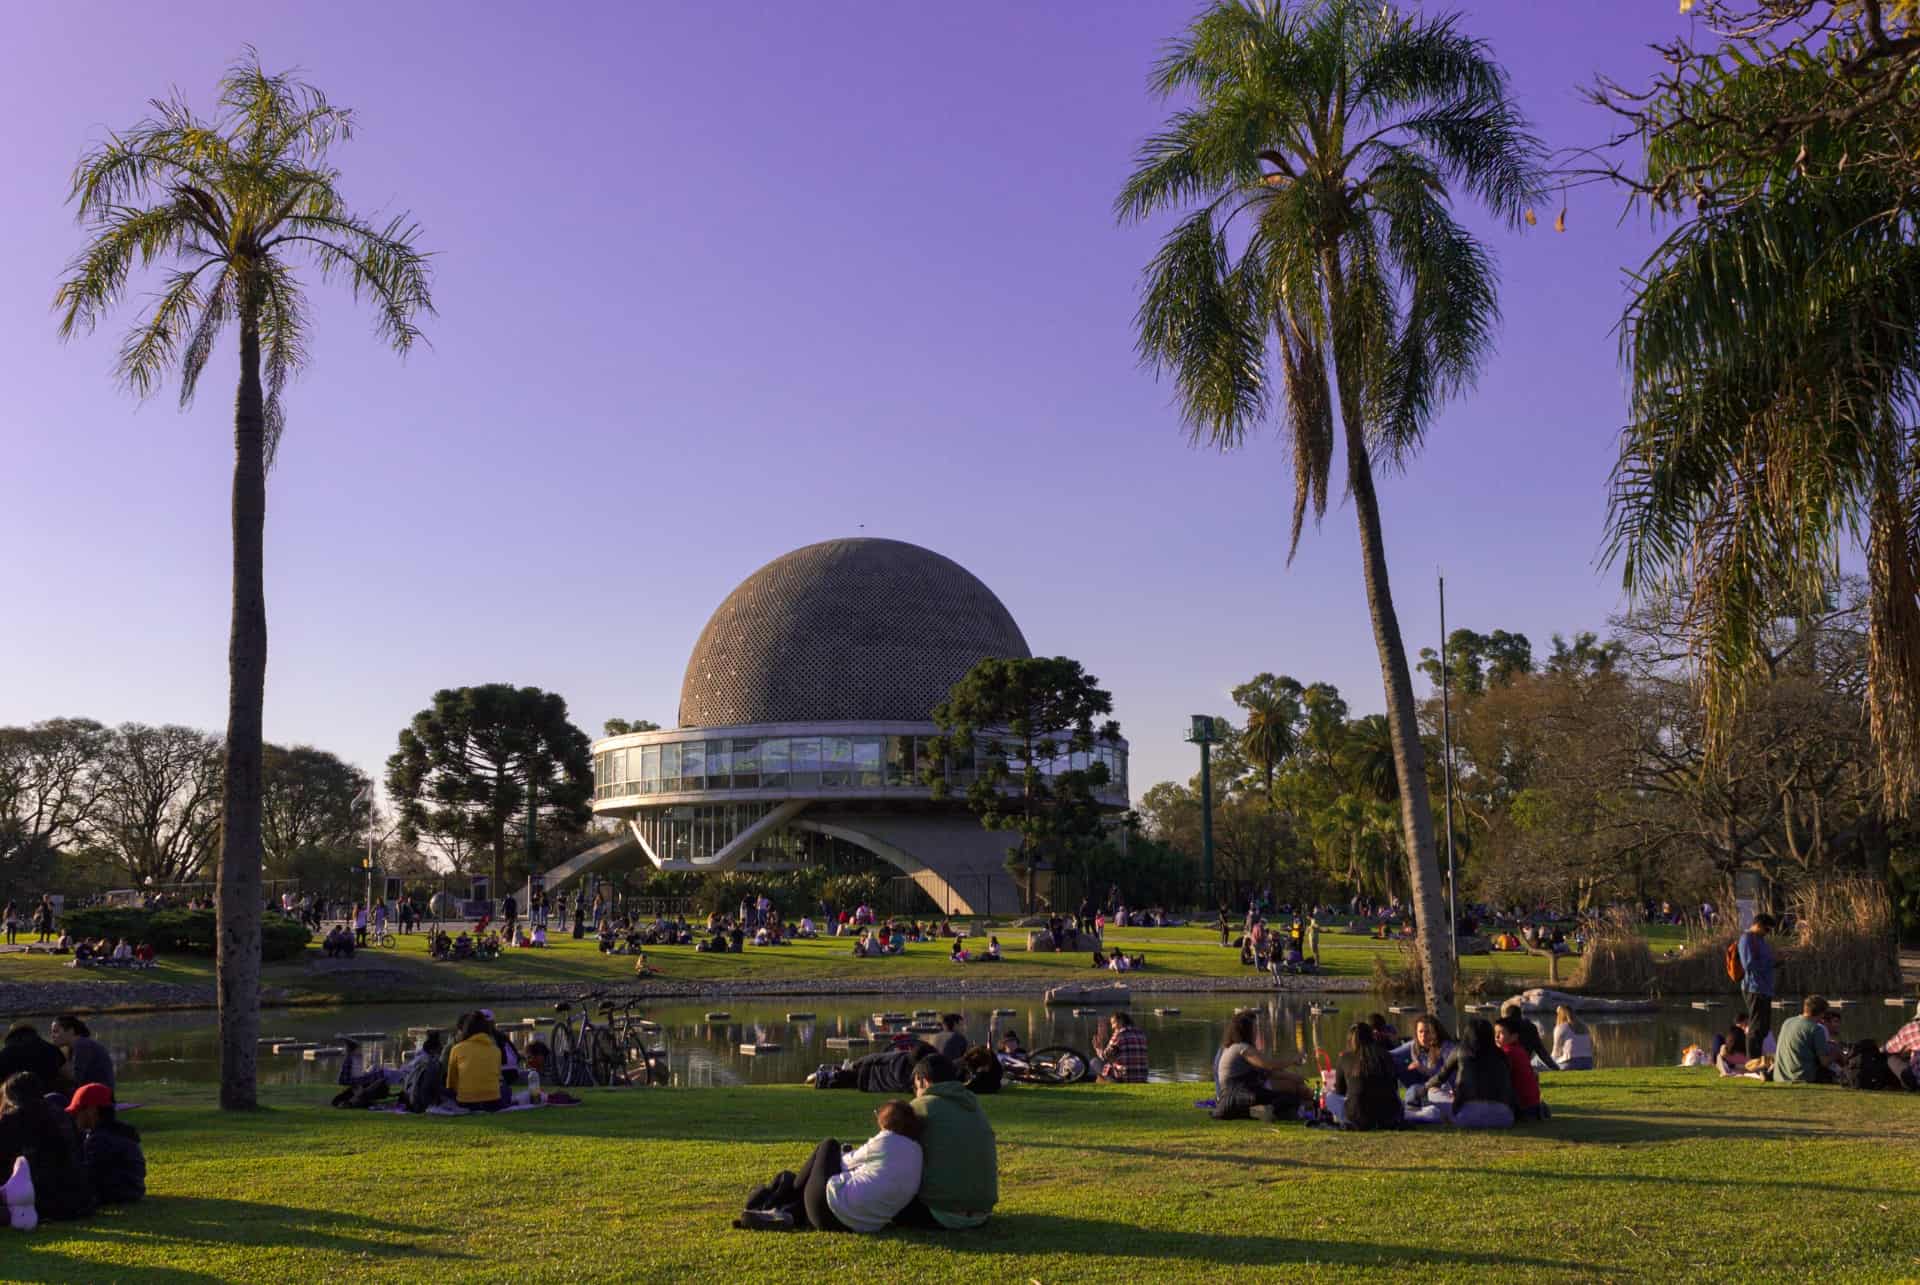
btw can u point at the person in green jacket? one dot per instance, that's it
(960, 1179)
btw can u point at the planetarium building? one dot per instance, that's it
(804, 722)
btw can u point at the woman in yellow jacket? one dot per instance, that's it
(473, 1066)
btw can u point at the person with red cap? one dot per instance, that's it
(109, 1150)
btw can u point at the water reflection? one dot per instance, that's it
(182, 1048)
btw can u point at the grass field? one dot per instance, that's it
(1171, 952)
(1643, 1175)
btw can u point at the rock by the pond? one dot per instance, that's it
(1543, 1000)
(847, 1041)
(799, 1017)
(1088, 993)
(1166, 1012)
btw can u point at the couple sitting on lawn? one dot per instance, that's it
(932, 1164)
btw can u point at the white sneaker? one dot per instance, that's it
(18, 1191)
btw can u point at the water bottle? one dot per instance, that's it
(533, 1087)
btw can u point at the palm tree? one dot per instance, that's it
(1314, 167)
(1367, 760)
(230, 206)
(1773, 343)
(1273, 724)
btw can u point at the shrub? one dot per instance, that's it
(190, 932)
(1616, 960)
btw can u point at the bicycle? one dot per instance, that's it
(644, 1062)
(583, 1053)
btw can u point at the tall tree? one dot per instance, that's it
(312, 806)
(159, 810)
(231, 206)
(1333, 130)
(1273, 723)
(50, 783)
(1773, 346)
(1034, 721)
(466, 763)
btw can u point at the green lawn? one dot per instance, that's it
(1647, 1175)
(1171, 952)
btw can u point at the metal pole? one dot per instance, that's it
(1206, 820)
(1446, 754)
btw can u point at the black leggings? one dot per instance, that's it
(812, 1181)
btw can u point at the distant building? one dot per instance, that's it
(804, 717)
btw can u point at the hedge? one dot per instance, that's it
(191, 932)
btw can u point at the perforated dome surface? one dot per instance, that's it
(844, 631)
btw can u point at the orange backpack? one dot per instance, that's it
(1734, 971)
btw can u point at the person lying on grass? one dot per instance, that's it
(844, 1188)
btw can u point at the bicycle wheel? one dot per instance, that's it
(383, 940)
(560, 1043)
(603, 1057)
(633, 1056)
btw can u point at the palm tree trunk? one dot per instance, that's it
(1431, 924)
(237, 964)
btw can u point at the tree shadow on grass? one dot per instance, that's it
(1058, 1233)
(174, 1228)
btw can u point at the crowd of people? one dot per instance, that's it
(63, 1148)
(478, 1069)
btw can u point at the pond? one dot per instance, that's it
(181, 1048)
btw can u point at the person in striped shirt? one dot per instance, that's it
(1124, 1055)
(1903, 1050)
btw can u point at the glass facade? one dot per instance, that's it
(806, 763)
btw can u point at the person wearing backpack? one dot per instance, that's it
(1750, 962)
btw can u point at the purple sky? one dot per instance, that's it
(716, 282)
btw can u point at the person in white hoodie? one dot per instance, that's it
(861, 1190)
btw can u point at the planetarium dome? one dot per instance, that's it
(844, 631)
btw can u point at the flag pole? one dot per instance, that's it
(1446, 753)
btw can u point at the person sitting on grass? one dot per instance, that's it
(1572, 1045)
(88, 1061)
(960, 1174)
(473, 1065)
(41, 1151)
(858, 1189)
(806, 930)
(1099, 960)
(1730, 1050)
(641, 968)
(1526, 1082)
(1903, 1052)
(1124, 1055)
(1119, 963)
(109, 1150)
(1366, 1091)
(423, 1080)
(1246, 1079)
(1529, 1034)
(1010, 1045)
(993, 951)
(959, 954)
(1426, 1052)
(1482, 1084)
(143, 955)
(1806, 1052)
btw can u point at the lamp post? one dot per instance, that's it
(1446, 751)
(1201, 732)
